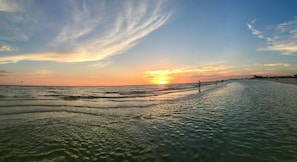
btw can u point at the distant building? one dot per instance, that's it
(257, 77)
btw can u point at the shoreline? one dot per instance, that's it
(282, 80)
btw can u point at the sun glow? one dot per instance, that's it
(158, 77)
(160, 80)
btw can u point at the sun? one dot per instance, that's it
(162, 82)
(159, 77)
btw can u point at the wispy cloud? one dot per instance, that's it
(268, 69)
(255, 31)
(17, 20)
(281, 38)
(9, 5)
(4, 48)
(4, 73)
(277, 65)
(92, 31)
(186, 73)
(101, 63)
(41, 72)
(208, 68)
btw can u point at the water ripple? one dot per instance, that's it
(239, 121)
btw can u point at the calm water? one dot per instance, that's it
(233, 121)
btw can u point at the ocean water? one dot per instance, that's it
(246, 120)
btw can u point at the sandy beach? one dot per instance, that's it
(283, 80)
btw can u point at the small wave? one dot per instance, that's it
(83, 109)
(111, 92)
(53, 95)
(26, 99)
(136, 92)
(67, 98)
(78, 97)
(172, 89)
(89, 97)
(96, 111)
(30, 112)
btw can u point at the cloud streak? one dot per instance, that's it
(203, 69)
(277, 65)
(90, 32)
(9, 6)
(42, 72)
(255, 31)
(5, 48)
(186, 74)
(281, 38)
(4, 73)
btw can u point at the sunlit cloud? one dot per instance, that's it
(213, 68)
(100, 64)
(216, 72)
(86, 32)
(5, 48)
(208, 68)
(268, 69)
(255, 67)
(277, 65)
(281, 38)
(184, 74)
(185, 70)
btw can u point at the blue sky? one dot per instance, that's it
(119, 42)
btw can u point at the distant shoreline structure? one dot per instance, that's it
(274, 77)
(286, 79)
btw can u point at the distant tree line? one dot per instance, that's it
(283, 76)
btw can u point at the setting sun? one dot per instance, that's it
(162, 82)
(159, 76)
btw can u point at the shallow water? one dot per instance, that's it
(235, 121)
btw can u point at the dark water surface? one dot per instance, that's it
(234, 121)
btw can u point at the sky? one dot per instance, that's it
(131, 42)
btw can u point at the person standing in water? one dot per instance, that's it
(199, 85)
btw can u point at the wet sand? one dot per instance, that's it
(283, 80)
